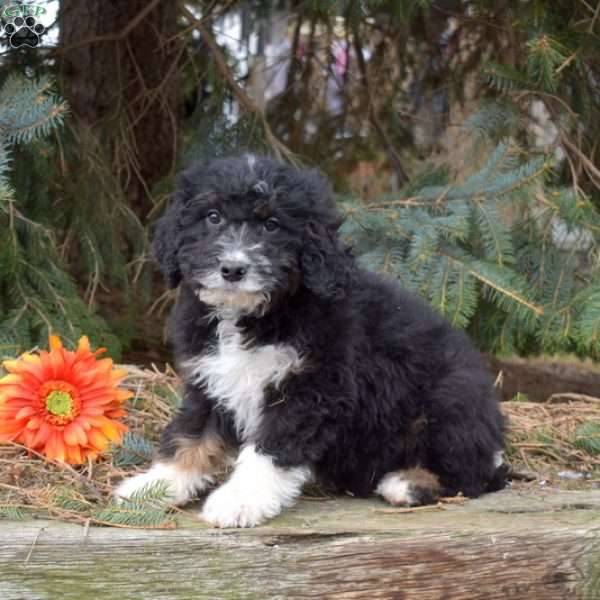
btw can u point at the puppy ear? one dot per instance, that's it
(326, 266)
(167, 233)
(165, 245)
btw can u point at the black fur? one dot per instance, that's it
(386, 383)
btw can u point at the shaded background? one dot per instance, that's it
(460, 136)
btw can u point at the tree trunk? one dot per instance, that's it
(118, 68)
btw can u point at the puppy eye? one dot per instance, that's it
(271, 224)
(214, 217)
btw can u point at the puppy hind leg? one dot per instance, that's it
(410, 487)
(187, 471)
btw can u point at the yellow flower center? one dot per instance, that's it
(59, 403)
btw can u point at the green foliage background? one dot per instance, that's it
(506, 246)
(37, 292)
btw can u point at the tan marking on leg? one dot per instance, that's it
(188, 473)
(208, 454)
(409, 487)
(420, 477)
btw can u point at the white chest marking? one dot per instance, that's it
(236, 376)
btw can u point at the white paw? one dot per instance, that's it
(256, 491)
(498, 459)
(396, 490)
(183, 485)
(230, 506)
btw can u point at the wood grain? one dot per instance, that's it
(504, 546)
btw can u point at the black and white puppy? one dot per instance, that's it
(299, 365)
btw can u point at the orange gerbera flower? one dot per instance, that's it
(62, 403)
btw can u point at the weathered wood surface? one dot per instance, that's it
(505, 546)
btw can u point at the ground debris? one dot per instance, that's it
(544, 440)
(30, 485)
(547, 439)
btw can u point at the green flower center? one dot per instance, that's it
(59, 403)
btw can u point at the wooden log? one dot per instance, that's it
(539, 378)
(505, 546)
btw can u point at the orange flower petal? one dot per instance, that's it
(55, 447)
(30, 366)
(13, 366)
(58, 363)
(98, 396)
(117, 375)
(98, 383)
(11, 426)
(26, 411)
(115, 414)
(42, 434)
(88, 412)
(97, 440)
(54, 342)
(28, 437)
(111, 431)
(31, 360)
(83, 423)
(34, 423)
(46, 363)
(83, 347)
(75, 435)
(10, 379)
(123, 395)
(13, 405)
(74, 455)
(92, 385)
(105, 364)
(18, 392)
(80, 377)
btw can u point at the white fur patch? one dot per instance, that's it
(395, 489)
(235, 255)
(231, 303)
(235, 240)
(257, 490)
(498, 459)
(183, 484)
(235, 376)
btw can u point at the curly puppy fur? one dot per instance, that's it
(309, 365)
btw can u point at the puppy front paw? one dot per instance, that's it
(182, 485)
(229, 506)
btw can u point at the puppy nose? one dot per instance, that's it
(233, 271)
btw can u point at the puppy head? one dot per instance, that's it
(243, 232)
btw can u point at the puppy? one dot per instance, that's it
(299, 365)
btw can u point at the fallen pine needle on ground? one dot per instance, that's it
(555, 443)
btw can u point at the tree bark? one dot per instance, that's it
(118, 68)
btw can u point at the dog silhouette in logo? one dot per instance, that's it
(24, 32)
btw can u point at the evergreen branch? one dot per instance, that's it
(492, 276)
(146, 508)
(12, 512)
(239, 93)
(587, 438)
(135, 450)
(494, 235)
(506, 79)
